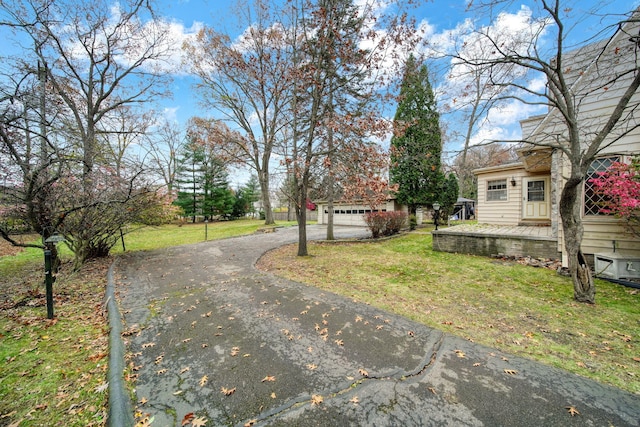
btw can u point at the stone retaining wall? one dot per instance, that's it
(489, 245)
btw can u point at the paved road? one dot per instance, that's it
(209, 335)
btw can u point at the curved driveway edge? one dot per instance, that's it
(215, 340)
(120, 412)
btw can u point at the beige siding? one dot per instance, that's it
(600, 234)
(500, 212)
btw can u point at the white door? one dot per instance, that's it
(536, 203)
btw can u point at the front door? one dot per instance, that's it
(536, 203)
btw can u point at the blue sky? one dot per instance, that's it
(438, 18)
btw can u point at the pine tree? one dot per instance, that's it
(416, 147)
(203, 186)
(189, 180)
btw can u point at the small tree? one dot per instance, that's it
(448, 195)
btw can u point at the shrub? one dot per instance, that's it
(385, 223)
(395, 221)
(376, 223)
(413, 222)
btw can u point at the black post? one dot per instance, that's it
(206, 229)
(124, 249)
(48, 280)
(436, 215)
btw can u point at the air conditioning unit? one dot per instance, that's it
(616, 265)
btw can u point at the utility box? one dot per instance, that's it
(616, 265)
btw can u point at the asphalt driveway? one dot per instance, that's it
(210, 338)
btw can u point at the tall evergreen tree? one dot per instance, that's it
(189, 180)
(416, 147)
(203, 187)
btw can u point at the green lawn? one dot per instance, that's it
(519, 309)
(53, 372)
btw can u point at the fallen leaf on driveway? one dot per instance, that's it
(199, 422)
(227, 391)
(316, 399)
(187, 419)
(203, 380)
(269, 378)
(510, 371)
(572, 410)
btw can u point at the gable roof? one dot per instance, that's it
(596, 74)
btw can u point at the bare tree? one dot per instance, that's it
(162, 145)
(246, 80)
(334, 77)
(91, 60)
(609, 68)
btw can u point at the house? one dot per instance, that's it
(519, 202)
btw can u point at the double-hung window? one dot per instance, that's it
(496, 190)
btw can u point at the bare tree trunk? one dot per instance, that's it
(301, 216)
(263, 178)
(584, 289)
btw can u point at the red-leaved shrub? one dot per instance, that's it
(385, 223)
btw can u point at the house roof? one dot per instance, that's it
(590, 72)
(504, 167)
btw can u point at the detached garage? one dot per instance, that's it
(352, 213)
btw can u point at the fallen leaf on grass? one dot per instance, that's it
(572, 410)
